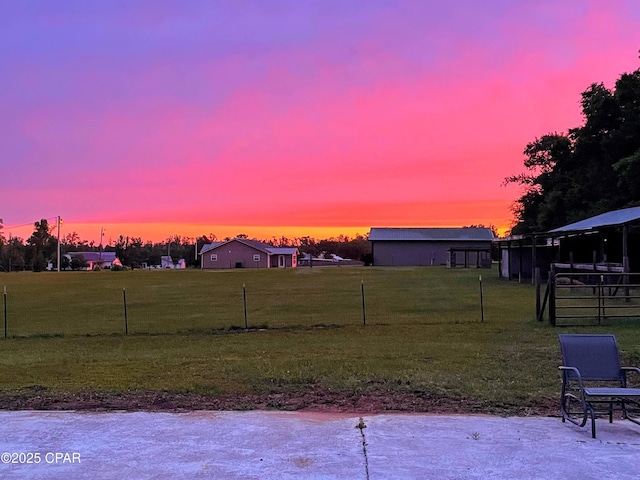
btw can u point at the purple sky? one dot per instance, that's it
(153, 118)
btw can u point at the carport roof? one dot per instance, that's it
(608, 219)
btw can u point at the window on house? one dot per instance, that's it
(256, 257)
(214, 257)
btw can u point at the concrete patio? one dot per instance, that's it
(286, 445)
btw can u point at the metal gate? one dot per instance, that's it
(592, 298)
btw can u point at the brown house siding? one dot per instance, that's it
(234, 255)
(238, 254)
(288, 261)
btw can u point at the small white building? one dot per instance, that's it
(167, 262)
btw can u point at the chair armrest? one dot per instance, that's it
(632, 369)
(565, 370)
(565, 377)
(629, 369)
(572, 369)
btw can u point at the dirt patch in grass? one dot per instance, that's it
(312, 399)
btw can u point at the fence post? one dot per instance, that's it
(481, 301)
(601, 312)
(244, 301)
(126, 320)
(537, 283)
(5, 311)
(544, 301)
(552, 295)
(625, 278)
(364, 312)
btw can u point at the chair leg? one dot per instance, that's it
(611, 412)
(587, 411)
(593, 420)
(635, 408)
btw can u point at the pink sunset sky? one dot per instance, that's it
(298, 117)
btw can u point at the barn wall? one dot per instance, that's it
(416, 253)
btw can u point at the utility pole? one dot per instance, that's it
(59, 222)
(100, 247)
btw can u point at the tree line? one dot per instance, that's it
(41, 248)
(591, 169)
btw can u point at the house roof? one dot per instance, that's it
(282, 250)
(95, 256)
(431, 234)
(210, 246)
(261, 246)
(258, 245)
(608, 219)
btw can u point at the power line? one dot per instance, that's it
(26, 224)
(18, 226)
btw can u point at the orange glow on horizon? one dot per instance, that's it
(160, 232)
(323, 223)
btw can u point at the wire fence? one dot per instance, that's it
(182, 307)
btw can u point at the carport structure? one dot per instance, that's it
(597, 244)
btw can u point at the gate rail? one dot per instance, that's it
(592, 298)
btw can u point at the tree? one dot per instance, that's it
(71, 241)
(41, 246)
(626, 136)
(78, 262)
(64, 262)
(591, 169)
(493, 228)
(358, 248)
(12, 255)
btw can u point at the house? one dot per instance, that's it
(244, 253)
(167, 262)
(96, 259)
(431, 246)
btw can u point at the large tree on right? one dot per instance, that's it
(591, 169)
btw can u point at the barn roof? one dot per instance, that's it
(431, 234)
(608, 219)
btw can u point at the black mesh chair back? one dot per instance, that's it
(596, 356)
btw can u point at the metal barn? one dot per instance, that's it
(454, 247)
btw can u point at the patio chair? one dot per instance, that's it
(593, 382)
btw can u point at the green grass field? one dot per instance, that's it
(423, 333)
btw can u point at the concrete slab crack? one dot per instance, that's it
(361, 425)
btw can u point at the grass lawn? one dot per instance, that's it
(423, 333)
